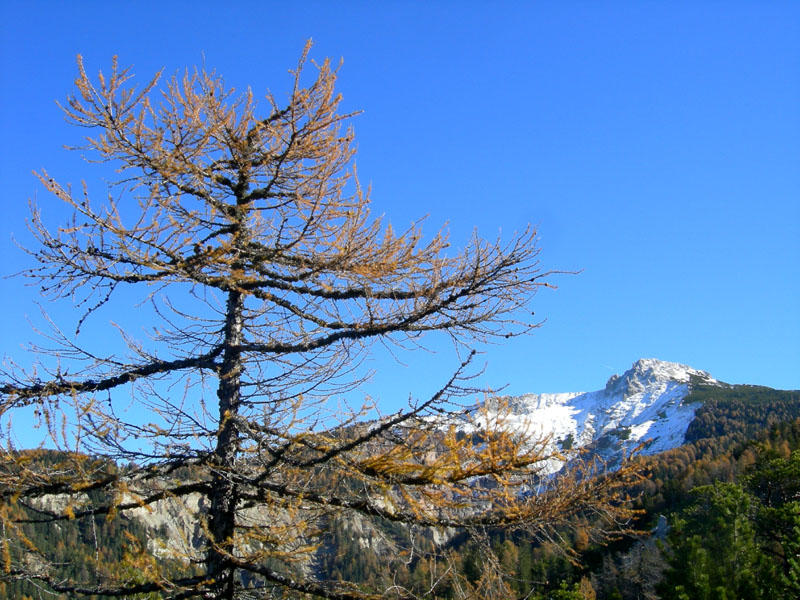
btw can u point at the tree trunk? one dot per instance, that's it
(222, 520)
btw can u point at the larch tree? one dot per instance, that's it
(244, 229)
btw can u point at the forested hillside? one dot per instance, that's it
(719, 517)
(740, 463)
(116, 546)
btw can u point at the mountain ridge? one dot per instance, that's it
(643, 405)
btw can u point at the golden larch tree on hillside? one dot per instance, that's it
(243, 226)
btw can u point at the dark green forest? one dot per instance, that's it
(719, 518)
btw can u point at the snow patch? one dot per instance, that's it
(643, 404)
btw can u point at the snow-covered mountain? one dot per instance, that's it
(644, 403)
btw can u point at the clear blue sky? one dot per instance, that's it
(655, 144)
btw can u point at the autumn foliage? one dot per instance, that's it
(243, 228)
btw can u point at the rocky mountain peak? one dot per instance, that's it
(647, 371)
(643, 405)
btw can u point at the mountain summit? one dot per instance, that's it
(644, 404)
(650, 370)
